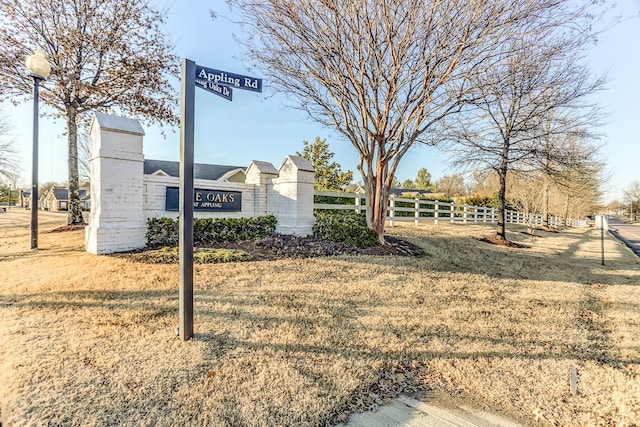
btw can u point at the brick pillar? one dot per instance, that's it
(116, 221)
(292, 197)
(261, 176)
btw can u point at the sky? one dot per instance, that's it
(264, 126)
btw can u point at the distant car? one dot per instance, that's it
(3, 210)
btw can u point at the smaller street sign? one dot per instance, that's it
(222, 91)
(224, 78)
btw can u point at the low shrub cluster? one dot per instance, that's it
(167, 255)
(347, 227)
(206, 231)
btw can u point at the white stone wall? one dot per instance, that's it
(123, 198)
(155, 197)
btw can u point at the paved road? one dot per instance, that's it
(629, 234)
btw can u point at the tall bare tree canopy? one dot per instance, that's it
(104, 54)
(523, 110)
(383, 73)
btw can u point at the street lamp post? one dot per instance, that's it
(39, 68)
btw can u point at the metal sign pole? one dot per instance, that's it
(602, 246)
(219, 83)
(186, 198)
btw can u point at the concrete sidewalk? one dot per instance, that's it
(405, 411)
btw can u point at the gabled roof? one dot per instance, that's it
(200, 171)
(118, 124)
(300, 163)
(63, 194)
(264, 167)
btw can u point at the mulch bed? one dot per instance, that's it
(280, 246)
(68, 228)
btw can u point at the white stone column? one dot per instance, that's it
(261, 176)
(292, 198)
(116, 221)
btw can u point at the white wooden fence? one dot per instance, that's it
(419, 210)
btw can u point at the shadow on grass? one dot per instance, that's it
(297, 329)
(463, 255)
(263, 315)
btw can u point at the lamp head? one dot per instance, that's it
(38, 65)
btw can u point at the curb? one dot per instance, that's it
(627, 243)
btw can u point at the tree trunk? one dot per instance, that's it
(377, 202)
(75, 210)
(501, 232)
(545, 204)
(566, 209)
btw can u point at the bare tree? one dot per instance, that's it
(632, 195)
(452, 185)
(577, 196)
(382, 73)
(534, 96)
(8, 162)
(104, 54)
(84, 155)
(566, 162)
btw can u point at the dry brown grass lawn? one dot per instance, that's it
(89, 340)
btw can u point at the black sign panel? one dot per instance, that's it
(206, 200)
(222, 91)
(225, 78)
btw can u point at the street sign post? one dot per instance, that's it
(222, 91)
(220, 83)
(225, 78)
(603, 225)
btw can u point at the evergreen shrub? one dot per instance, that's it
(344, 226)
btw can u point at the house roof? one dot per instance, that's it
(401, 191)
(63, 194)
(200, 171)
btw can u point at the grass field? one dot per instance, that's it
(89, 340)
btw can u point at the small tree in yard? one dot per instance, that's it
(423, 179)
(104, 54)
(408, 184)
(328, 175)
(383, 74)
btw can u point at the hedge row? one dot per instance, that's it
(338, 226)
(164, 231)
(347, 227)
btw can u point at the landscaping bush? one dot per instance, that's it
(334, 200)
(344, 226)
(167, 255)
(206, 231)
(161, 232)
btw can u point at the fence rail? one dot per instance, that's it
(420, 210)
